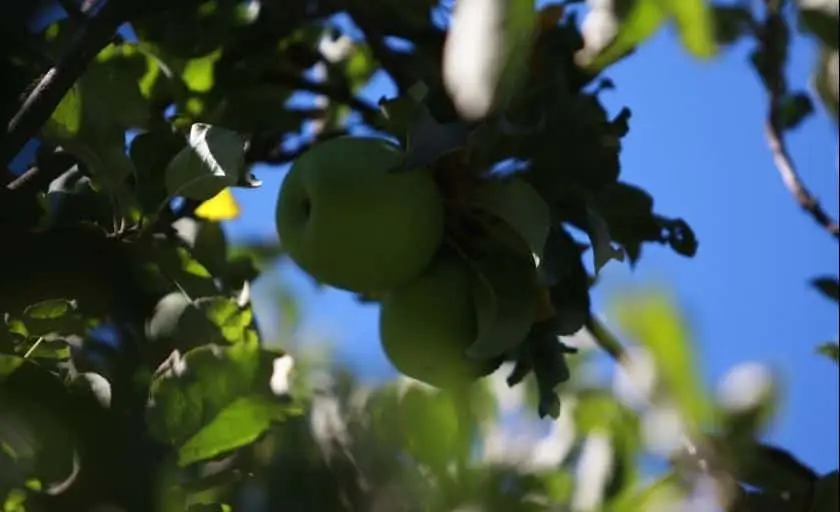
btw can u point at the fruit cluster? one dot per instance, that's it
(351, 222)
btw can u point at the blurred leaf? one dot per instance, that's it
(827, 80)
(213, 160)
(696, 27)
(794, 109)
(828, 286)
(430, 420)
(819, 17)
(234, 321)
(731, 22)
(216, 399)
(8, 365)
(638, 21)
(665, 493)
(484, 56)
(831, 350)
(653, 321)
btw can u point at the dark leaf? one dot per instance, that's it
(831, 350)
(213, 400)
(828, 286)
(731, 22)
(820, 19)
(794, 109)
(548, 358)
(776, 470)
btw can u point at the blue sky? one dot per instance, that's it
(696, 144)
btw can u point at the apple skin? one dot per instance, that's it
(350, 223)
(427, 325)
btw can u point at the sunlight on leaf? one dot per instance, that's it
(222, 206)
(695, 25)
(654, 322)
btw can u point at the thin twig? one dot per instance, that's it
(772, 32)
(95, 34)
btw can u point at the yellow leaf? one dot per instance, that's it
(222, 206)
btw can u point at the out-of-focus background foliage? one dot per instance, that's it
(726, 397)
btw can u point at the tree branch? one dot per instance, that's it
(96, 33)
(771, 33)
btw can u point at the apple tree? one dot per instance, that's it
(475, 206)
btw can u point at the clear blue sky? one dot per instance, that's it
(696, 144)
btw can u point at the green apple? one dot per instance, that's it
(427, 325)
(349, 222)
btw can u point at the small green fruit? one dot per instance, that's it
(427, 325)
(350, 223)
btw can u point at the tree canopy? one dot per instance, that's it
(133, 371)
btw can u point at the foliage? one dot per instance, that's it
(133, 372)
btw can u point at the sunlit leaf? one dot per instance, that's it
(654, 322)
(222, 206)
(695, 25)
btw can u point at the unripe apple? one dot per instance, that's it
(427, 325)
(349, 222)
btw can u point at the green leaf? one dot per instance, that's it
(240, 423)
(66, 119)
(213, 160)
(653, 321)
(359, 67)
(8, 365)
(731, 22)
(429, 420)
(831, 350)
(234, 321)
(828, 286)
(639, 20)
(178, 320)
(49, 309)
(121, 79)
(795, 108)
(696, 26)
(826, 80)
(207, 243)
(819, 17)
(515, 202)
(505, 289)
(217, 399)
